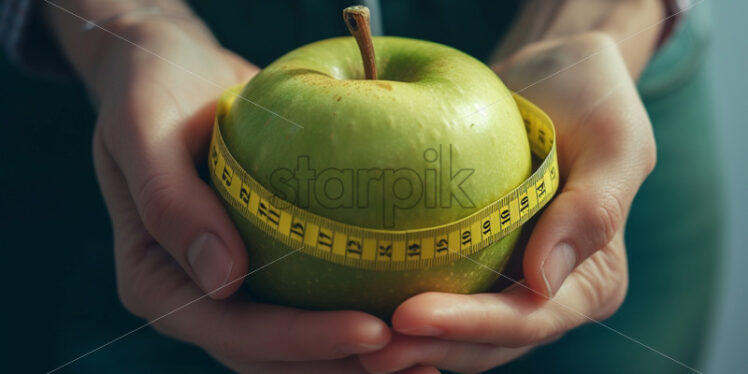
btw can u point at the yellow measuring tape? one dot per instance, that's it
(391, 249)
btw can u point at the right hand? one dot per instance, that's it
(173, 241)
(574, 263)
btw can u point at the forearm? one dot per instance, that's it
(87, 49)
(634, 24)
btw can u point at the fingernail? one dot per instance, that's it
(352, 349)
(210, 260)
(557, 266)
(422, 331)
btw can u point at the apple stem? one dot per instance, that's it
(357, 19)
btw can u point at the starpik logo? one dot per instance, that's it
(437, 185)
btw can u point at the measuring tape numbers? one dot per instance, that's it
(388, 250)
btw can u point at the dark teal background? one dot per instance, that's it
(61, 301)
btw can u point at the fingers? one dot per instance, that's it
(157, 289)
(248, 331)
(472, 333)
(407, 351)
(575, 225)
(515, 318)
(240, 330)
(510, 319)
(603, 174)
(178, 209)
(605, 145)
(152, 285)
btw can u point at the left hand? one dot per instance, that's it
(173, 241)
(575, 262)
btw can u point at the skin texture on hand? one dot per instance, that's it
(173, 240)
(634, 24)
(575, 262)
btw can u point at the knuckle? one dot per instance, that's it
(594, 42)
(604, 283)
(605, 217)
(592, 288)
(614, 295)
(584, 45)
(144, 278)
(543, 328)
(156, 200)
(129, 299)
(644, 138)
(616, 299)
(128, 284)
(650, 156)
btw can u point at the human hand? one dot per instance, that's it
(575, 262)
(173, 240)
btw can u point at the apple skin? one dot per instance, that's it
(427, 95)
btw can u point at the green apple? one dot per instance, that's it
(439, 129)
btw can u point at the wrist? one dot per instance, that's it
(148, 35)
(93, 34)
(634, 24)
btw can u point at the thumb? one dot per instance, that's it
(590, 209)
(573, 227)
(179, 210)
